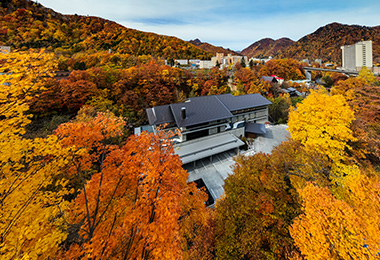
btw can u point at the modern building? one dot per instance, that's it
(210, 125)
(357, 56)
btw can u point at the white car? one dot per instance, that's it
(238, 124)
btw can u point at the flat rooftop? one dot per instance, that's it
(206, 147)
(215, 170)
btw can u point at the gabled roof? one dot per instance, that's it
(234, 103)
(160, 115)
(269, 79)
(200, 110)
(204, 109)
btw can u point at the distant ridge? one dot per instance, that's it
(211, 48)
(325, 42)
(26, 24)
(267, 47)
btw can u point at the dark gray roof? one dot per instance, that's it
(292, 92)
(200, 110)
(160, 115)
(255, 128)
(234, 103)
(204, 109)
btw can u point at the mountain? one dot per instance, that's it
(25, 24)
(326, 41)
(267, 47)
(211, 48)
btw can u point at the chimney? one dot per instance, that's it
(183, 113)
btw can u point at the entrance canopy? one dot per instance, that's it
(254, 128)
(200, 148)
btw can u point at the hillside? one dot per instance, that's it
(325, 42)
(211, 48)
(26, 24)
(267, 47)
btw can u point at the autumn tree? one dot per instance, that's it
(279, 109)
(322, 123)
(284, 68)
(367, 124)
(331, 228)
(248, 82)
(347, 87)
(30, 198)
(366, 74)
(252, 218)
(136, 200)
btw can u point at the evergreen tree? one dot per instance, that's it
(242, 62)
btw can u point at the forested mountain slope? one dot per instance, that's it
(267, 47)
(325, 42)
(26, 24)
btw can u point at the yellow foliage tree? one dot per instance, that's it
(29, 204)
(367, 75)
(322, 123)
(335, 229)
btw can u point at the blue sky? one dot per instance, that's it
(229, 23)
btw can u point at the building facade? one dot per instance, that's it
(209, 125)
(227, 60)
(357, 56)
(208, 115)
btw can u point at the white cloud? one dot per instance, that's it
(231, 24)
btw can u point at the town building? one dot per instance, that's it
(206, 64)
(258, 60)
(357, 56)
(181, 62)
(210, 125)
(227, 60)
(270, 79)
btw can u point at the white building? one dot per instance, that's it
(181, 62)
(228, 60)
(205, 64)
(357, 56)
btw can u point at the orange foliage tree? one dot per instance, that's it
(137, 203)
(284, 68)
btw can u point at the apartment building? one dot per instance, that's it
(357, 56)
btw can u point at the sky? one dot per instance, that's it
(233, 24)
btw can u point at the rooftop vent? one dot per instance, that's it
(183, 113)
